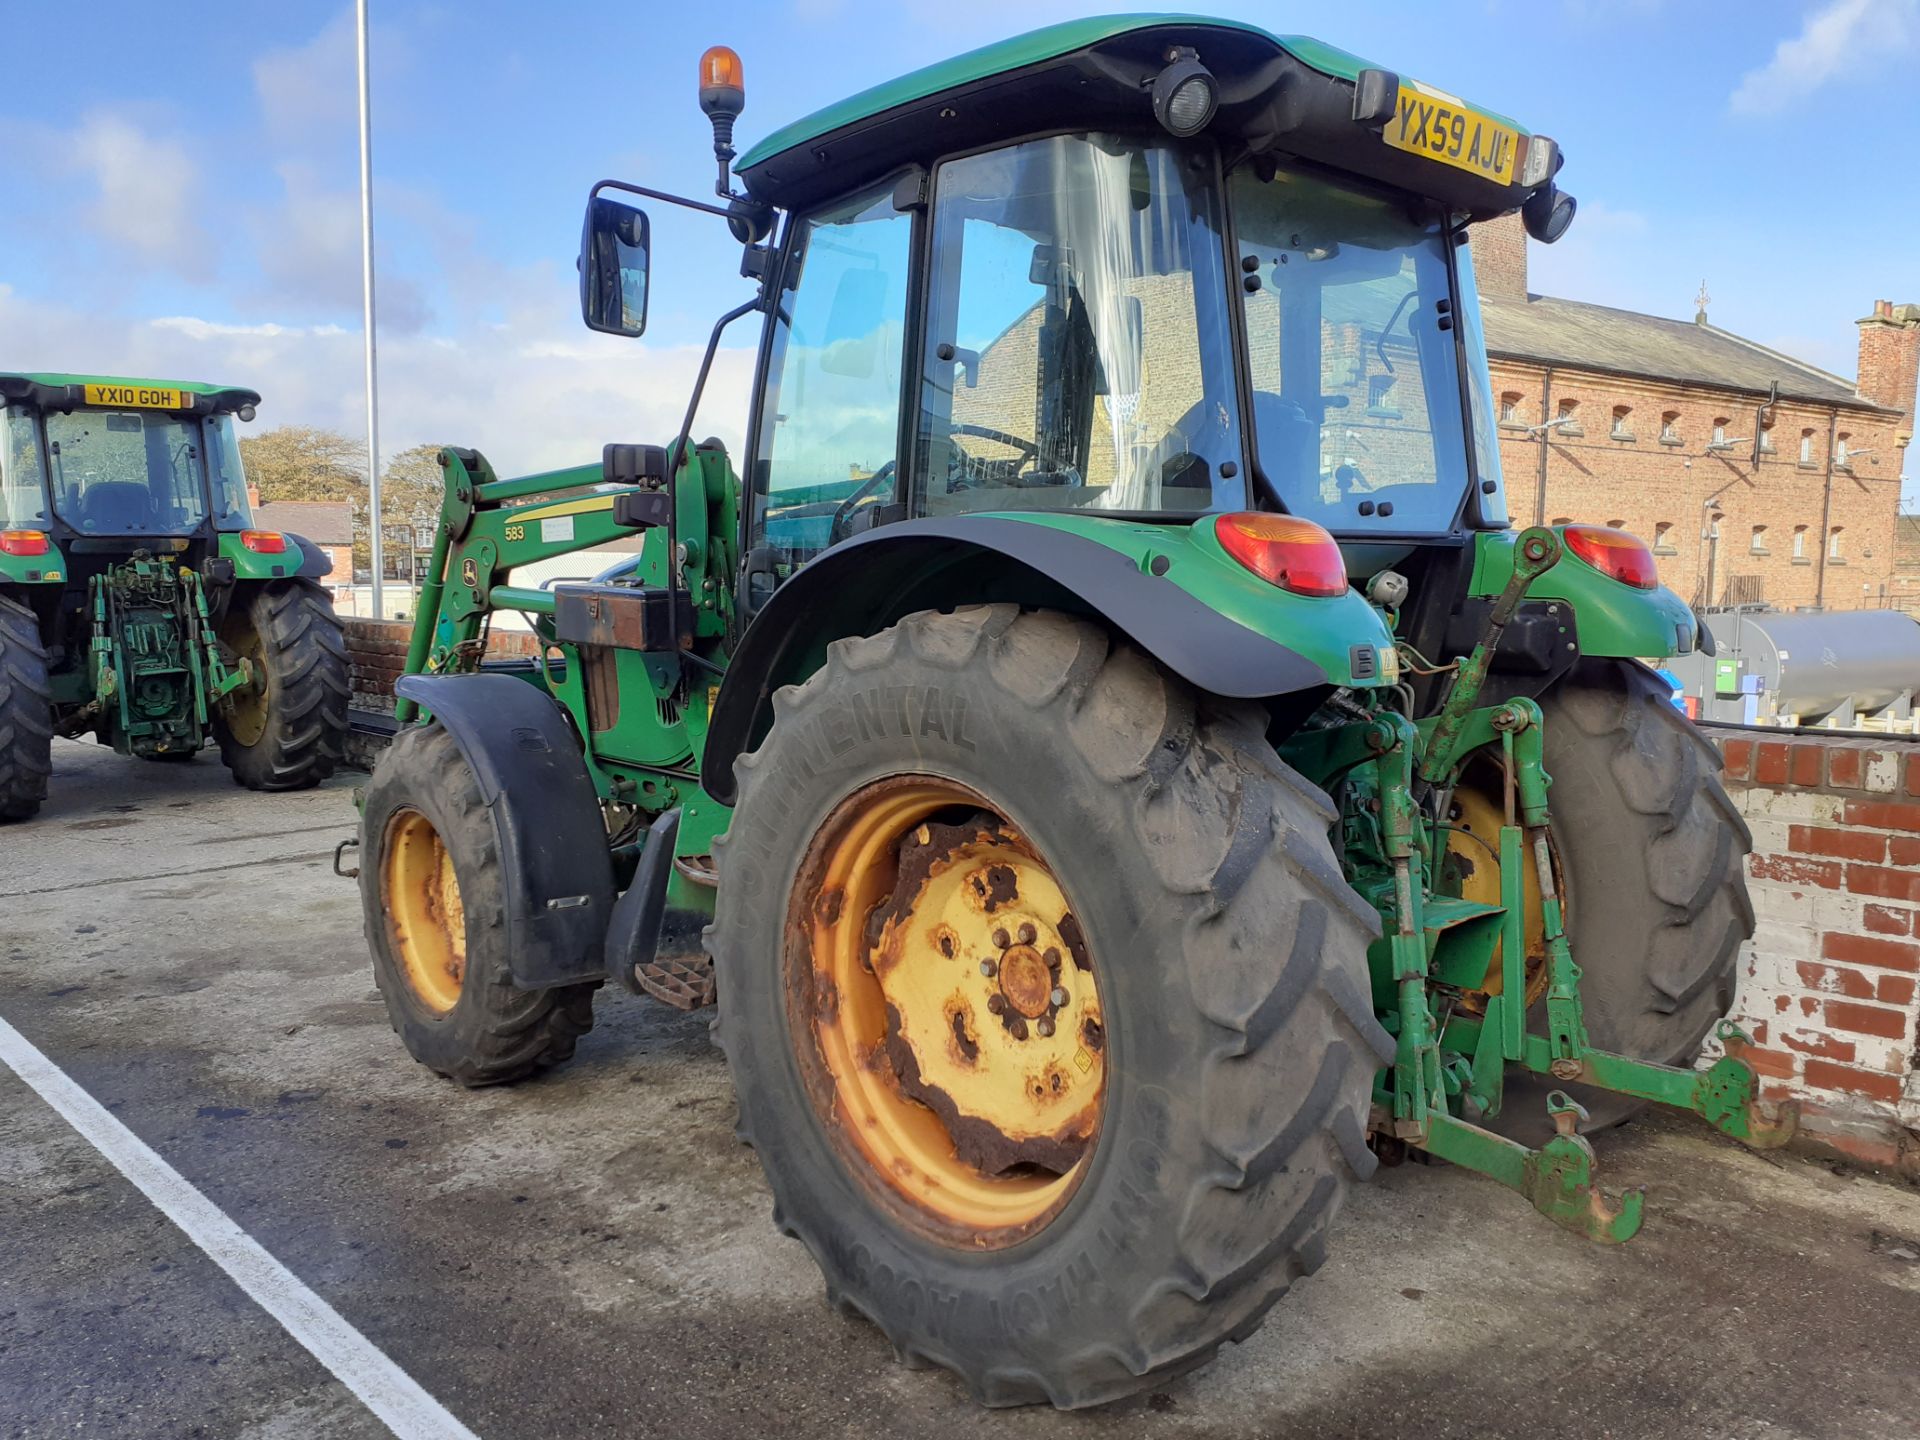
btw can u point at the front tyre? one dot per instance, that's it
(1045, 1002)
(26, 715)
(287, 729)
(434, 900)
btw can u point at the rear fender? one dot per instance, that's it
(302, 558)
(1613, 619)
(866, 584)
(554, 859)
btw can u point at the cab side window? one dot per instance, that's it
(831, 421)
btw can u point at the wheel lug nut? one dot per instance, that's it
(1027, 934)
(1059, 996)
(1018, 1029)
(996, 1003)
(1000, 939)
(989, 968)
(1052, 957)
(1044, 1025)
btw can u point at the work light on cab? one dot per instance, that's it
(264, 542)
(23, 542)
(1614, 553)
(1284, 550)
(1185, 94)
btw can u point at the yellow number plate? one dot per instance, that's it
(136, 397)
(1442, 128)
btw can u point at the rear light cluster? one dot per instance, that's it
(23, 542)
(264, 542)
(1284, 550)
(1614, 553)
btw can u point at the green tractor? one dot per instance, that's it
(1133, 777)
(138, 602)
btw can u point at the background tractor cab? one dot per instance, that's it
(160, 614)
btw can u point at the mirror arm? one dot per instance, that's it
(676, 460)
(642, 190)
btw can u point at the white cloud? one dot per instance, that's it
(532, 394)
(1836, 40)
(309, 90)
(148, 194)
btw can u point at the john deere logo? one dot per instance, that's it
(470, 573)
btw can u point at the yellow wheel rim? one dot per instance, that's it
(426, 923)
(246, 708)
(944, 1004)
(1474, 845)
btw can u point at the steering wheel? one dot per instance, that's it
(837, 530)
(1027, 448)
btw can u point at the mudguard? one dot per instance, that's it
(864, 584)
(314, 562)
(555, 865)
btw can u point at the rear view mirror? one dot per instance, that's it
(613, 268)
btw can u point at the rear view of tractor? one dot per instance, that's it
(1110, 725)
(139, 604)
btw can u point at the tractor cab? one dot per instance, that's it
(100, 466)
(1135, 268)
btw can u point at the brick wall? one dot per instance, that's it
(1828, 985)
(377, 650)
(1890, 358)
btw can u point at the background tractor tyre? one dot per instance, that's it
(289, 732)
(26, 715)
(1230, 958)
(1654, 857)
(172, 757)
(434, 901)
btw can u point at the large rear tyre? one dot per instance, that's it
(1045, 1002)
(26, 715)
(1653, 854)
(434, 901)
(288, 729)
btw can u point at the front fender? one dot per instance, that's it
(554, 861)
(1167, 588)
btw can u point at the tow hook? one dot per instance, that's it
(352, 842)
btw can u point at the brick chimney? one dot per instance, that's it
(253, 496)
(1890, 360)
(1500, 257)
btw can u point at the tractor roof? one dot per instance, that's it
(51, 391)
(1287, 93)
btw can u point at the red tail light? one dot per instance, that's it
(264, 542)
(1616, 553)
(1284, 550)
(23, 542)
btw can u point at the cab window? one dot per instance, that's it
(831, 417)
(23, 490)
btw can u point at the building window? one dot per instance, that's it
(1620, 430)
(1616, 524)
(1806, 447)
(1380, 398)
(1799, 544)
(1510, 410)
(1758, 545)
(1840, 461)
(1663, 538)
(1766, 437)
(1569, 418)
(1670, 428)
(1833, 547)
(1561, 520)
(1719, 441)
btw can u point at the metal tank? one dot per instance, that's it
(1832, 667)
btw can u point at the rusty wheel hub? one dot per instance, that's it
(954, 1007)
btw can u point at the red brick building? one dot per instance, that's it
(1663, 427)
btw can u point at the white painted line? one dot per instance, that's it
(382, 1386)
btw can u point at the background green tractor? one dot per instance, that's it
(1110, 725)
(139, 604)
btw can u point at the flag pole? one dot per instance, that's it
(366, 290)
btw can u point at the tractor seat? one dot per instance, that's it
(117, 505)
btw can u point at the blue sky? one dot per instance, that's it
(181, 197)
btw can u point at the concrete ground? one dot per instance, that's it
(591, 1253)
